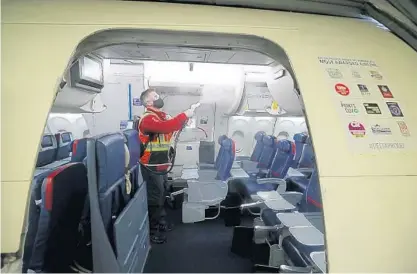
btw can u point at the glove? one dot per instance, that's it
(190, 112)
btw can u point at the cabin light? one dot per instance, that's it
(279, 74)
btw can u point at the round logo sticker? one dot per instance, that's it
(342, 89)
(357, 129)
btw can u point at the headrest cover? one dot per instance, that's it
(268, 141)
(300, 138)
(221, 138)
(284, 146)
(127, 156)
(259, 135)
(227, 143)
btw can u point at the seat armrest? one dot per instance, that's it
(294, 269)
(276, 181)
(306, 171)
(265, 268)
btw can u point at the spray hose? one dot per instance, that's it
(172, 161)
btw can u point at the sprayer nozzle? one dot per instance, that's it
(193, 107)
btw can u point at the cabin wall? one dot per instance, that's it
(115, 95)
(291, 125)
(74, 123)
(242, 130)
(360, 193)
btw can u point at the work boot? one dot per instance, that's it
(164, 226)
(157, 238)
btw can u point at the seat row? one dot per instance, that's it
(104, 173)
(54, 150)
(290, 222)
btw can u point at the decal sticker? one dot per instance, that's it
(376, 75)
(403, 129)
(136, 101)
(349, 108)
(357, 129)
(364, 90)
(123, 124)
(342, 89)
(385, 91)
(380, 130)
(372, 108)
(395, 110)
(204, 120)
(334, 73)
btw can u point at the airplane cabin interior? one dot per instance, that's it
(243, 178)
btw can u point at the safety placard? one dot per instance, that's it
(373, 116)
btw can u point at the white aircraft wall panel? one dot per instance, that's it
(243, 129)
(290, 125)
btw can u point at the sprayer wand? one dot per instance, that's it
(176, 139)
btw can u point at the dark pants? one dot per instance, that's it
(155, 185)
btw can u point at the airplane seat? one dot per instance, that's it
(279, 166)
(221, 148)
(125, 219)
(283, 159)
(299, 140)
(110, 157)
(79, 150)
(47, 151)
(55, 209)
(199, 195)
(306, 162)
(267, 156)
(251, 165)
(64, 140)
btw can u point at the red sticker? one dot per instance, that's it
(342, 89)
(357, 129)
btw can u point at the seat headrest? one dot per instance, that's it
(48, 141)
(300, 138)
(260, 135)
(133, 143)
(268, 141)
(79, 150)
(227, 143)
(285, 146)
(221, 138)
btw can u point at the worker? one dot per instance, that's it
(155, 132)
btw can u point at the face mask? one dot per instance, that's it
(158, 103)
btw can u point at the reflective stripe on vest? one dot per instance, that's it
(156, 150)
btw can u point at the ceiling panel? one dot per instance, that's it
(136, 52)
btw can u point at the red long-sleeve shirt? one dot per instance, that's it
(160, 124)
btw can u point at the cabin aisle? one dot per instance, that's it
(201, 247)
